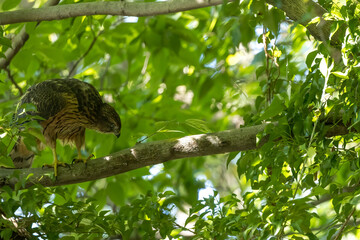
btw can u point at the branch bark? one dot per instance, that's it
(140, 155)
(19, 40)
(123, 8)
(303, 12)
(17, 43)
(297, 10)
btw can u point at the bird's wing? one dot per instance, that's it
(49, 98)
(89, 100)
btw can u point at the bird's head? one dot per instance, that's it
(109, 120)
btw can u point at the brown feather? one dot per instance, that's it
(69, 106)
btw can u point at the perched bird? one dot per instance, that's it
(67, 107)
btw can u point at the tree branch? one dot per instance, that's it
(338, 235)
(19, 41)
(297, 10)
(73, 68)
(10, 76)
(141, 155)
(123, 8)
(303, 12)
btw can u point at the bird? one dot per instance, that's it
(66, 108)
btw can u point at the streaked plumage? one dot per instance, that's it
(68, 107)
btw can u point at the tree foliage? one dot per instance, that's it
(238, 64)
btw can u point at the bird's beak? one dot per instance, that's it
(117, 135)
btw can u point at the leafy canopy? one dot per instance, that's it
(199, 71)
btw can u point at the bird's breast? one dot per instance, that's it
(65, 124)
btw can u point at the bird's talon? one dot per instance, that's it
(76, 160)
(59, 164)
(47, 166)
(66, 165)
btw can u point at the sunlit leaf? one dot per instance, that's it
(275, 108)
(9, 4)
(5, 42)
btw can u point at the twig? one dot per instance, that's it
(185, 228)
(152, 134)
(13, 81)
(19, 41)
(105, 71)
(84, 55)
(267, 56)
(123, 8)
(338, 235)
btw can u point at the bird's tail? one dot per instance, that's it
(20, 155)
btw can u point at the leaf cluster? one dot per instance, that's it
(204, 70)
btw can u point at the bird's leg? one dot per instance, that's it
(80, 159)
(56, 163)
(79, 153)
(79, 143)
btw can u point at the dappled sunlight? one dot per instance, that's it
(239, 119)
(213, 139)
(184, 95)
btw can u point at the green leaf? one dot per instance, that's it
(5, 42)
(340, 75)
(9, 4)
(191, 218)
(68, 238)
(175, 232)
(275, 108)
(115, 192)
(243, 163)
(198, 124)
(22, 59)
(314, 21)
(6, 233)
(232, 156)
(310, 58)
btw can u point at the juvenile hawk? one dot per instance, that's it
(68, 107)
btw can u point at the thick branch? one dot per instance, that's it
(303, 12)
(142, 155)
(19, 41)
(17, 44)
(123, 8)
(297, 10)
